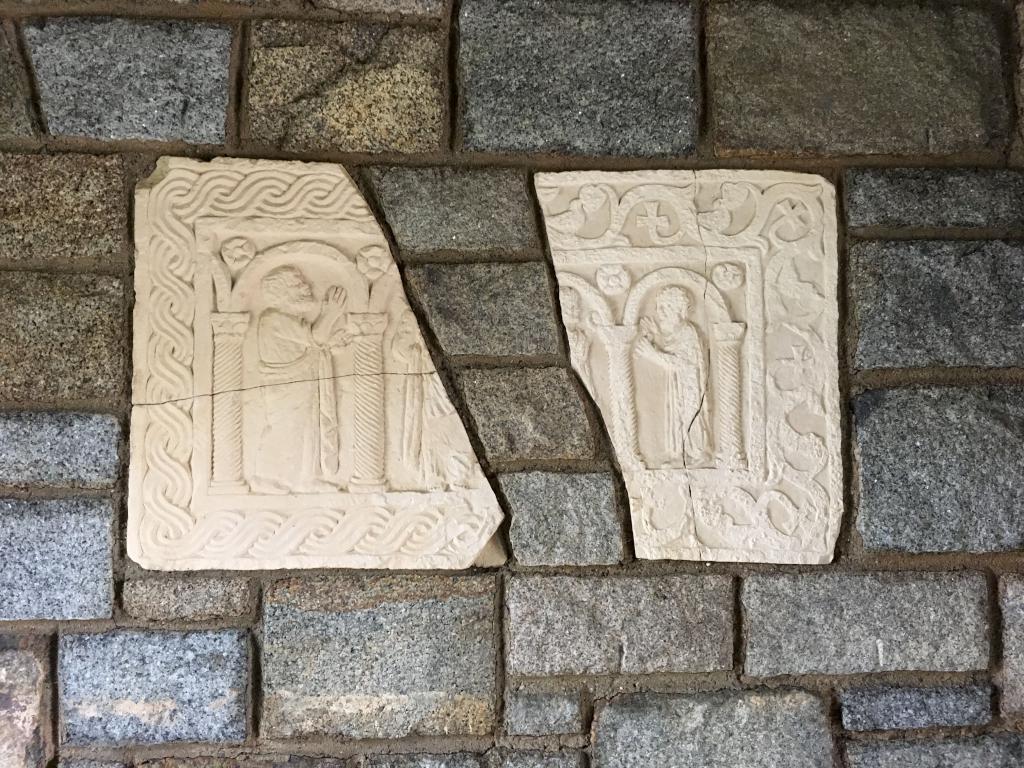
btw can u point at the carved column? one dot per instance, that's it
(728, 394)
(618, 343)
(370, 424)
(228, 334)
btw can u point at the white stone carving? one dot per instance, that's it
(285, 410)
(701, 314)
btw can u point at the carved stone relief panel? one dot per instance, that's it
(701, 314)
(285, 410)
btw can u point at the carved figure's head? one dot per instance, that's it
(287, 288)
(672, 308)
(572, 308)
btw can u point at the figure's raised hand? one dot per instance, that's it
(648, 328)
(335, 297)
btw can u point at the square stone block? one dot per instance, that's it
(853, 77)
(488, 309)
(63, 210)
(843, 624)
(107, 78)
(55, 559)
(346, 87)
(753, 729)
(285, 409)
(372, 657)
(590, 77)
(63, 337)
(144, 687)
(59, 449)
(702, 316)
(456, 209)
(564, 625)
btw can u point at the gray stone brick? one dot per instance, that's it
(452, 209)
(55, 559)
(527, 413)
(563, 625)
(15, 116)
(932, 197)
(189, 598)
(23, 698)
(1011, 600)
(854, 78)
(59, 449)
(539, 713)
(937, 303)
(875, 622)
(753, 729)
(593, 77)
(346, 87)
(882, 708)
(379, 657)
(63, 209)
(110, 78)
(488, 309)
(136, 687)
(940, 469)
(496, 758)
(63, 337)
(563, 519)
(1002, 751)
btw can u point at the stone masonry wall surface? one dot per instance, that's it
(907, 650)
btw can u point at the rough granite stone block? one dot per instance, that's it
(59, 449)
(63, 210)
(563, 519)
(527, 413)
(15, 114)
(55, 559)
(496, 758)
(138, 687)
(875, 622)
(252, 761)
(1000, 751)
(488, 309)
(940, 469)
(108, 78)
(538, 713)
(379, 657)
(23, 693)
(753, 729)
(63, 337)
(188, 598)
(931, 197)
(937, 303)
(454, 209)
(1011, 600)
(841, 77)
(882, 708)
(591, 77)
(346, 87)
(564, 625)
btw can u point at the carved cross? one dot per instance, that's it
(652, 221)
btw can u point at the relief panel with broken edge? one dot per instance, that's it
(286, 412)
(702, 316)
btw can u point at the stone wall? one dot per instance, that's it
(907, 650)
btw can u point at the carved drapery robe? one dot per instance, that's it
(299, 403)
(677, 361)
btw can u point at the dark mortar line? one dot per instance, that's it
(27, 72)
(500, 633)
(254, 684)
(52, 703)
(238, 64)
(888, 378)
(524, 161)
(944, 233)
(846, 332)
(739, 639)
(835, 723)
(995, 630)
